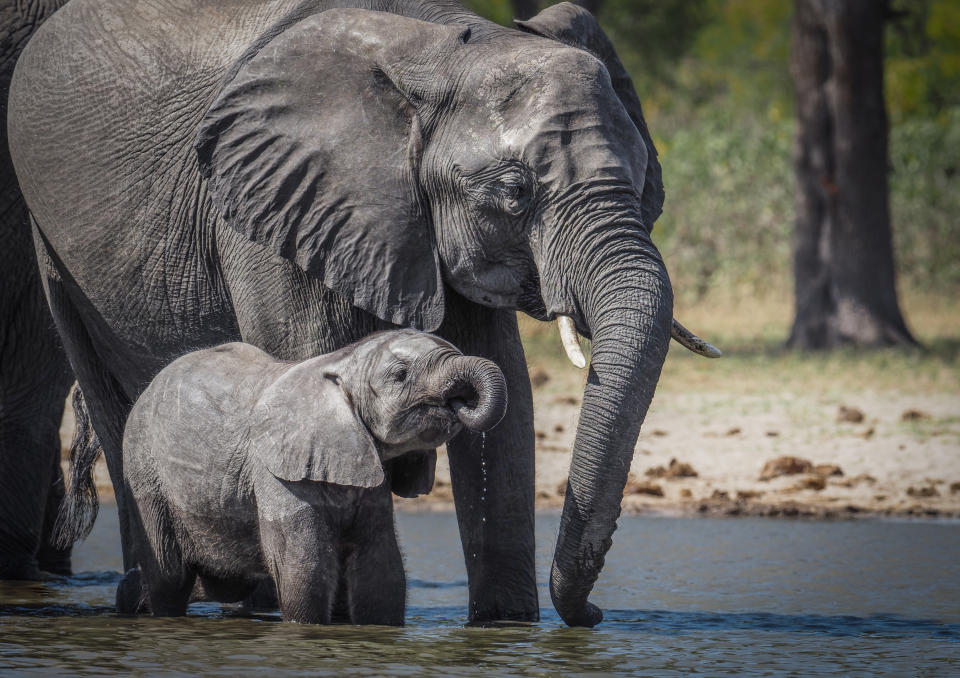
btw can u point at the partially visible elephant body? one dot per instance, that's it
(34, 373)
(297, 176)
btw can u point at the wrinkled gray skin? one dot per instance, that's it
(238, 467)
(34, 374)
(297, 177)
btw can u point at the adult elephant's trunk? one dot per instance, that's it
(627, 304)
(477, 392)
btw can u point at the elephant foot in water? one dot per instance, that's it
(131, 595)
(132, 598)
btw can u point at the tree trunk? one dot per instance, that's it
(843, 254)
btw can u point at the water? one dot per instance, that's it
(681, 596)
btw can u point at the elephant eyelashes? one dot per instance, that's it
(516, 198)
(513, 188)
(507, 188)
(399, 373)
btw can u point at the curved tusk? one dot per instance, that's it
(690, 341)
(571, 344)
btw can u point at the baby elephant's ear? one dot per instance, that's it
(305, 428)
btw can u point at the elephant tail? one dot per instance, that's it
(79, 508)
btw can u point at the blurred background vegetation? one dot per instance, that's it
(714, 79)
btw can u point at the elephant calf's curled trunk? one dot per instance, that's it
(478, 394)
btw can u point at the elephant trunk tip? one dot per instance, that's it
(479, 395)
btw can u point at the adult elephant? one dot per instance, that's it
(298, 174)
(34, 373)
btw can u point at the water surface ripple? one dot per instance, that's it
(681, 596)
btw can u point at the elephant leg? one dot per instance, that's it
(373, 570)
(168, 587)
(493, 474)
(162, 578)
(131, 597)
(34, 381)
(106, 401)
(226, 590)
(303, 560)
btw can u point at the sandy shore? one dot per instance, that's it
(830, 456)
(849, 454)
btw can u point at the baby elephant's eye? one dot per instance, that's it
(399, 373)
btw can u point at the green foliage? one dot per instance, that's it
(737, 59)
(500, 11)
(923, 58)
(925, 199)
(650, 36)
(729, 212)
(728, 219)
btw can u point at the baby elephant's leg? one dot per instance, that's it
(376, 584)
(301, 556)
(162, 578)
(131, 594)
(169, 592)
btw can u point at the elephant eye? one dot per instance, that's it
(399, 373)
(515, 194)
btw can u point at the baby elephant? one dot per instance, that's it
(239, 467)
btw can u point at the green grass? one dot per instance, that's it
(752, 333)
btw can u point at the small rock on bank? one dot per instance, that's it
(785, 466)
(676, 469)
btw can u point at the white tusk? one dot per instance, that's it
(690, 341)
(571, 344)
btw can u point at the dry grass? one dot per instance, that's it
(751, 332)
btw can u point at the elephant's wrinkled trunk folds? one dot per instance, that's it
(478, 393)
(627, 304)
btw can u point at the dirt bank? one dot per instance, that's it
(868, 432)
(706, 453)
(825, 456)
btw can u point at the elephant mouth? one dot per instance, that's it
(452, 409)
(437, 423)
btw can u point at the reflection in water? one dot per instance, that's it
(680, 596)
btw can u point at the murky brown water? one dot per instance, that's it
(701, 596)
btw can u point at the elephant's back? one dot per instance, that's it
(186, 433)
(200, 402)
(184, 447)
(104, 105)
(107, 94)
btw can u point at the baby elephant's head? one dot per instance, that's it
(337, 417)
(415, 391)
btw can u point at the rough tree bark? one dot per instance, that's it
(843, 253)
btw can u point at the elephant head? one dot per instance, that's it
(390, 156)
(415, 391)
(389, 394)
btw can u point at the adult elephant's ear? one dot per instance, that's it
(311, 149)
(305, 427)
(575, 26)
